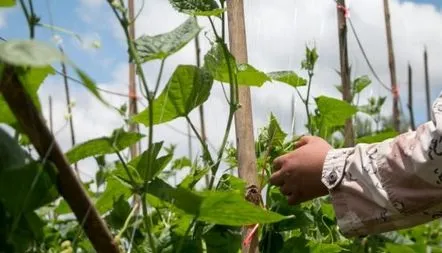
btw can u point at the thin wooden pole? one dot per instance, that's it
(410, 97)
(133, 127)
(243, 116)
(51, 122)
(392, 66)
(427, 85)
(345, 69)
(69, 186)
(69, 106)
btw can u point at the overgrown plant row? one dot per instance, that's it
(136, 209)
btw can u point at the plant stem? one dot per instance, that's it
(309, 123)
(134, 184)
(181, 243)
(129, 217)
(148, 223)
(206, 153)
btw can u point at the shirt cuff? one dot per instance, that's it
(334, 167)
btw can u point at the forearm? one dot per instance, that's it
(390, 185)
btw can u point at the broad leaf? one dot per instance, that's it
(188, 88)
(288, 77)
(334, 112)
(197, 7)
(11, 154)
(231, 183)
(192, 179)
(222, 239)
(275, 133)
(119, 213)
(31, 79)
(27, 188)
(223, 208)
(163, 45)
(377, 137)
(33, 53)
(7, 3)
(157, 164)
(229, 208)
(104, 145)
(215, 61)
(360, 83)
(115, 189)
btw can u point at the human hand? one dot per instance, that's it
(298, 173)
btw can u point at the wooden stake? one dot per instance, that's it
(69, 186)
(69, 106)
(427, 85)
(392, 66)
(243, 117)
(345, 70)
(133, 127)
(51, 122)
(410, 97)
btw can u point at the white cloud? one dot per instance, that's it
(277, 33)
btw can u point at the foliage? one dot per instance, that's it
(144, 211)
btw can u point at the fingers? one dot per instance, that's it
(285, 190)
(303, 141)
(277, 178)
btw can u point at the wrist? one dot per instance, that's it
(334, 167)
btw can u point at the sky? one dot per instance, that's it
(277, 32)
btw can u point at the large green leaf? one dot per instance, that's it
(115, 189)
(37, 54)
(31, 80)
(216, 63)
(163, 45)
(223, 208)
(188, 88)
(27, 188)
(118, 141)
(197, 7)
(7, 3)
(334, 112)
(288, 77)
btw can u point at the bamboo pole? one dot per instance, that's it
(69, 186)
(427, 85)
(243, 116)
(69, 106)
(345, 69)
(410, 97)
(133, 127)
(392, 66)
(51, 122)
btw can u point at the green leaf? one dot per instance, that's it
(157, 165)
(188, 88)
(275, 133)
(360, 83)
(192, 179)
(63, 208)
(215, 62)
(11, 154)
(382, 136)
(288, 77)
(271, 242)
(223, 208)
(163, 45)
(181, 163)
(115, 189)
(7, 3)
(27, 188)
(197, 7)
(31, 79)
(222, 239)
(228, 182)
(104, 145)
(229, 208)
(33, 53)
(318, 247)
(29, 53)
(119, 213)
(334, 112)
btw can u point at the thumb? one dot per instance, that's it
(303, 141)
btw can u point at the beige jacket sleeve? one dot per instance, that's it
(390, 185)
